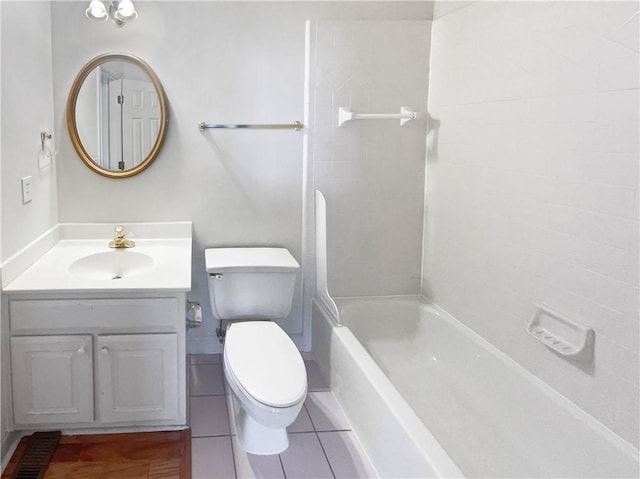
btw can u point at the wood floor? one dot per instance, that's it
(154, 455)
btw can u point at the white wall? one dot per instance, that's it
(532, 193)
(27, 109)
(219, 62)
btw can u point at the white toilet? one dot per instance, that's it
(249, 287)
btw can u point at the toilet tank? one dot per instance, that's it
(250, 283)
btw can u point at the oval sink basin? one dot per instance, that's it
(108, 265)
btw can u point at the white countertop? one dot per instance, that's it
(171, 270)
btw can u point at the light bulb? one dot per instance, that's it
(96, 11)
(126, 11)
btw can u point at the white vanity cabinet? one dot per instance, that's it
(98, 360)
(54, 372)
(137, 377)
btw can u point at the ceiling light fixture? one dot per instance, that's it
(119, 11)
(96, 11)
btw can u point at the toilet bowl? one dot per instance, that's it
(267, 378)
(249, 287)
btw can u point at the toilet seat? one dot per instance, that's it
(265, 363)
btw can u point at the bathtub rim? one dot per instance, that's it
(569, 406)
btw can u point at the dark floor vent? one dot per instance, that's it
(37, 455)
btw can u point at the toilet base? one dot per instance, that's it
(255, 438)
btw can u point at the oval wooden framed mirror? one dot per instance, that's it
(117, 115)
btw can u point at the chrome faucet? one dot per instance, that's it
(119, 241)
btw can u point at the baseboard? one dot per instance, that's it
(8, 446)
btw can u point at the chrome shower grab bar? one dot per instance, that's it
(296, 125)
(405, 115)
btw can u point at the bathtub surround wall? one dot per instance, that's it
(226, 62)
(371, 172)
(532, 192)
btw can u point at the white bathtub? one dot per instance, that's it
(429, 398)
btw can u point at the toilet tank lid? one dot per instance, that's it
(219, 260)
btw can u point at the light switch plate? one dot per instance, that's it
(26, 189)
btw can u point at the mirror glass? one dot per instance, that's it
(116, 115)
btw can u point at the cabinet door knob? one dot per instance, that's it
(81, 350)
(104, 350)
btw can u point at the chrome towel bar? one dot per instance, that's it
(296, 125)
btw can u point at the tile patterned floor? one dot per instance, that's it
(321, 443)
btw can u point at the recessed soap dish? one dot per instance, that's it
(562, 335)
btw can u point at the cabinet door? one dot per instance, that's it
(138, 377)
(52, 379)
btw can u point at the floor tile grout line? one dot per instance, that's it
(310, 418)
(320, 430)
(233, 458)
(284, 473)
(325, 455)
(212, 435)
(334, 430)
